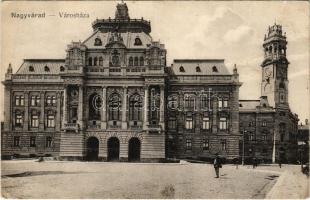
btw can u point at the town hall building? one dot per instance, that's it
(113, 98)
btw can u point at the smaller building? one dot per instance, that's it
(303, 142)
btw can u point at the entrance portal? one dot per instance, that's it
(113, 149)
(134, 149)
(92, 149)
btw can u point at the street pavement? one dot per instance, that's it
(59, 179)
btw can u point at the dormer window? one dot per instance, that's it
(138, 42)
(62, 69)
(46, 68)
(98, 42)
(214, 69)
(198, 69)
(182, 69)
(31, 69)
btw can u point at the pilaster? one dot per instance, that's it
(146, 107)
(124, 108)
(104, 109)
(26, 116)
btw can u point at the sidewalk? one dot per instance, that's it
(290, 185)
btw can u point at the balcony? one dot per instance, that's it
(71, 127)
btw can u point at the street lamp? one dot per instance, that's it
(244, 131)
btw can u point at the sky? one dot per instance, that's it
(230, 30)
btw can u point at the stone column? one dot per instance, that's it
(57, 118)
(80, 107)
(65, 112)
(8, 102)
(124, 109)
(162, 107)
(42, 113)
(146, 107)
(104, 108)
(26, 115)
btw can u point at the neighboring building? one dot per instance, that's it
(303, 142)
(268, 125)
(114, 98)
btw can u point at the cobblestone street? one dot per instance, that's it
(54, 179)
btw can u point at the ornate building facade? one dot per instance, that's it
(113, 97)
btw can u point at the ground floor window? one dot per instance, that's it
(16, 141)
(223, 145)
(32, 141)
(188, 144)
(205, 144)
(48, 142)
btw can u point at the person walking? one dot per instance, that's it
(217, 165)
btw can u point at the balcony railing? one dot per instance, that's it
(71, 126)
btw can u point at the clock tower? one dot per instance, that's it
(274, 83)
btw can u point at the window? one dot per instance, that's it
(282, 99)
(90, 61)
(198, 69)
(137, 41)
(251, 136)
(135, 107)
(223, 145)
(223, 103)
(18, 119)
(141, 61)
(205, 144)
(19, 100)
(35, 101)
(46, 68)
(264, 137)
(223, 123)
(31, 69)
(48, 141)
(282, 135)
(189, 102)
(214, 69)
(62, 69)
(206, 123)
(189, 122)
(114, 106)
(173, 102)
(98, 42)
(188, 144)
(53, 100)
(204, 103)
(95, 61)
(32, 141)
(172, 123)
(264, 123)
(136, 61)
(16, 141)
(34, 119)
(100, 61)
(130, 61)
(50, 119)
(181, 69)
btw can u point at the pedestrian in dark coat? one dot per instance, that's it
(217, 165)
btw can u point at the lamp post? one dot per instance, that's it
(244, 131)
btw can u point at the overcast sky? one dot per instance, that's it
(233, 31)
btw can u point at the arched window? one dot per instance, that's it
(100, 61)
(98, 42)
(95, 61)
(130, 61)
(136, 61)
(214, 69)
(135, 107)
(94, 105)
(31, 69)
(182, 69)
(115, 106)
(138, 41)
(62, 69)
(46, 68)
(141, 61)
(90, 61)
(198, 69)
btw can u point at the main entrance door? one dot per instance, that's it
(134, 149)
(92, 149)
(113, 149)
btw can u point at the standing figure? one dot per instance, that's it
(217, 165)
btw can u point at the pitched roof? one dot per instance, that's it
(199, 67)
(39, 65)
